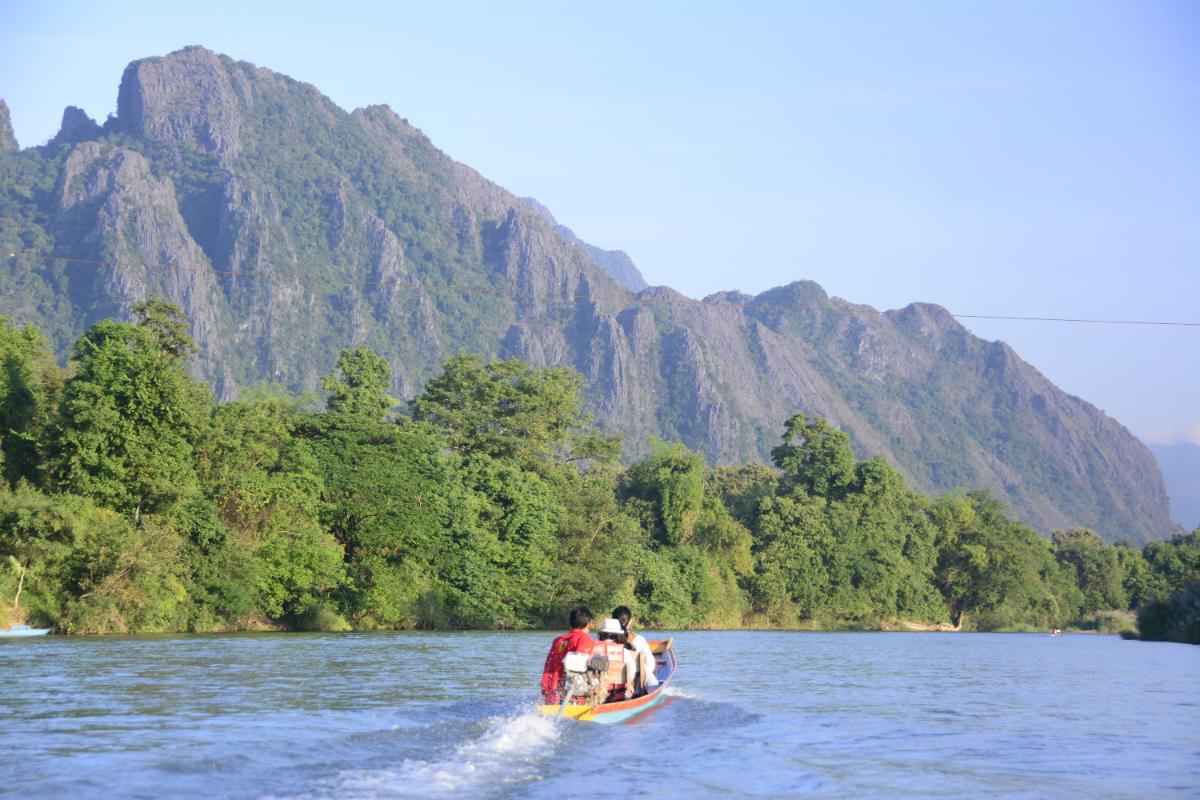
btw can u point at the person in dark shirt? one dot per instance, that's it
(577, 640)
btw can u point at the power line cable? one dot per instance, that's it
(1089, 321)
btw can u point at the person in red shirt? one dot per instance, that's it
(575, 641)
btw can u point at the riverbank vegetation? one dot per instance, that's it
(133, 502)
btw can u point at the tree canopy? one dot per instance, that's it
(133, 502)
(128, 418)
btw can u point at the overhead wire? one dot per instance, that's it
(295, 278)
(1088, 321)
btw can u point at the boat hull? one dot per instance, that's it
(22, 631)
(611, 713)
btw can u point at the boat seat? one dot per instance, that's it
(618, 680)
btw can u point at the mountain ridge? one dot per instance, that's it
(616, 262)
(287, 228)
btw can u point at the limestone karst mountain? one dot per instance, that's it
(288, 228)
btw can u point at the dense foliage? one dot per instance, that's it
(132, 501)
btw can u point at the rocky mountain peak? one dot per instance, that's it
(386, 121)
(733, 297)
(795, 295)
(929, 323)
(664, 295)
(76, 127)
(8, 142)
(185, 97)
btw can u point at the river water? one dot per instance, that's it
(451, 715)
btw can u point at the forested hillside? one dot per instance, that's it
(133, 501)
(288, 229)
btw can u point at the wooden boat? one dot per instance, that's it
(23, 630)
(664, 669)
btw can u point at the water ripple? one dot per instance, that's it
(751, 715)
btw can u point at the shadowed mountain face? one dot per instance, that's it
(1180, 465)
(287, 229)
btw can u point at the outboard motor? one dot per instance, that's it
(583, 676)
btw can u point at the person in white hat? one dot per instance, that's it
(622, 662)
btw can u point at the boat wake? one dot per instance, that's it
(695, 710)
(507, 752)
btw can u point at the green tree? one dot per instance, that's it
(791, 581)
(1170, 609)
(217, 571)
(994, 572)
(1176, 561)
(525, 450)
(87, 570)
(1095, 568)
(499, 565)
(37, 532)
(129, 416)
(741, 488)
(268, 486)
(166, 325)
(670, 484)
(815, 456)
(362, 389)
(727, 540)
(596, 545)
(674, 587)
(725, 546)
(510, 411)
(1175, 618)
(121, 580)
(389, 497)
(30, 384)
(883, 553)
(1138, 580)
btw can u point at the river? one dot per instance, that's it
(753, 714)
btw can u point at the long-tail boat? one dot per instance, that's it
(621, 710)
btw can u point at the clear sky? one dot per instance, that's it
(1008, 158)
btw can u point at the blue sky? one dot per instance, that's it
(1016, 158)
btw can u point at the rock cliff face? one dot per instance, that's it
(287, 229)
(189, 97)
(616, 262)
(111, 204)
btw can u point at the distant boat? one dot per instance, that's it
(23, 630)
(621, 710)
(1056, 632)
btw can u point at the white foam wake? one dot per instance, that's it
(507, 752)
